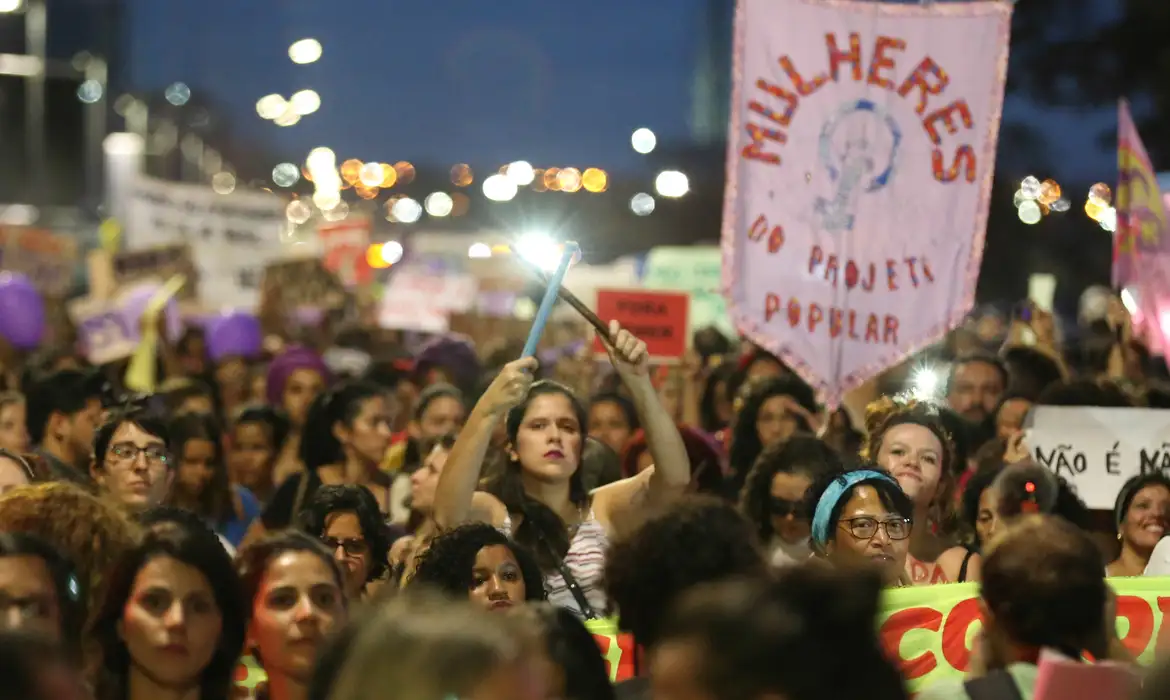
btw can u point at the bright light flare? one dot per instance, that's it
(540, 250)
(925, 383)
(305, 102)
(671, 183)
(305, 51)
(392, 252)
(521, 173)
(479, 251)
(499, 188)
(643, 140)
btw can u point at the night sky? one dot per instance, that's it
(446, 81)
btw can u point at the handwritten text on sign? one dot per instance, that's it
(657, 318)
(1097, 449)
(861, 153)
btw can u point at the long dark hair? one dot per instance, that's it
(202, 550)
(342, 404)
(216, 501)
(745, 440)
(542, 531)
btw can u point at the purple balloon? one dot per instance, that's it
(22, 311)
(133, 305)
(234, 334)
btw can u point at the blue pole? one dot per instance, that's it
(550, 297)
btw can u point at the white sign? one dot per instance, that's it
(103, 330)
(231, 236)
(423, 300)
(1097, 449)
(860, 159)
(698, 271)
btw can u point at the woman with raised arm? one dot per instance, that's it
(536, 495)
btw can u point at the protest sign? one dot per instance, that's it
(345, 244)
(102, 329)
(423, 299)
(659, 319)
(1097, 449)
(859, 174)
(930, 630)
(46, 258)
(303, 283)
(232, 236)
(160, 262)
(698, 271)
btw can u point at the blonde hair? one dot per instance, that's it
(428, 647)
(886, 412)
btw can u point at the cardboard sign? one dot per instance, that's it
(160, 262)
(1097, 449)
(102, 330)
(304, 284)
(417, 299)
(657, 318)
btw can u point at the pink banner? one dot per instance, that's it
(859, 167)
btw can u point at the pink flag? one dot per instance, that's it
(859, 165)
(1141, 216)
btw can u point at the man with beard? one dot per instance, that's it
(976, 386)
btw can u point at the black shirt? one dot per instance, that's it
(279, 512)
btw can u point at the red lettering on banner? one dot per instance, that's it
(755, 149)
(964, 159)
(918, 81)
(804, 88)
(946, 116)
(863, 275)
(837, 56)
(895, 628)
(892, 275)
(1141, 622)
(759, 227)
(954, 634)
(1162, 644)
(881, 61)
(865, 327)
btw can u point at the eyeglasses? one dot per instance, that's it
(353, 547)
(156, 455)
(864, 528)
(782, 508)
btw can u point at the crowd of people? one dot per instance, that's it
(446, 526)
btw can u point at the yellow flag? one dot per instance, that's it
(141, 374)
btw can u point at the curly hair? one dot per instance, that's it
(803, 455)
(745, 441)
(448, 563)
(886, 412)
(702, 452)
(88, 531)
(698, 539)
(331, 500)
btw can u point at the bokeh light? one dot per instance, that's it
(569, 180)
(177, 94)
(520, 172)
(305, 102)
(1108, 219)
(594, 180)
(643, 140)
(371, 175)
(538, 181)
(365, 192)
(1061, 205)
(438, 204)
(479, 250)
(405, 172)
(298, 212)
(374, 257)
(551, 179)
(1049, 191)
(642, 204)
(337, 213)
(1101, 194)
(671, 183)
(270, 106)
(499, 188)
(392, 250)
(351, 171)
(288, 117)
(1029, 212)
(286, 175)
(305, 51)
(389, 175)
(90, 92)
(321, 158)
(326, 199)
(1030, 186)
(1094, 208)
(461, 175)
(406, 210)
(223, 182)
(460, 204)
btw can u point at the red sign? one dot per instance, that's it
(345, 244)
(658, 318)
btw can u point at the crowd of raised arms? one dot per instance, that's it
(447, 525)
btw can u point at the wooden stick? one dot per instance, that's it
(568, 297)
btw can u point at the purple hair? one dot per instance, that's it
(293, 358)
(454, 354)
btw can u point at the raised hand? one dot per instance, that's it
(510, 386)
(628, 354)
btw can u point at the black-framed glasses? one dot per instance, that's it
(865, 527)
(783, 507)
(156, 455)
(353, 546)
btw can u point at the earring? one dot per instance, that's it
(1119, 537)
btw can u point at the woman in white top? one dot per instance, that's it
(534, 490)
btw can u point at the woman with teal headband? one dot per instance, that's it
(862, 516)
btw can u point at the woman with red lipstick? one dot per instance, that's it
(1140, 513)
(479, 561)
(909, 440)
(297, 595)
(536, 494)
(173, 620)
